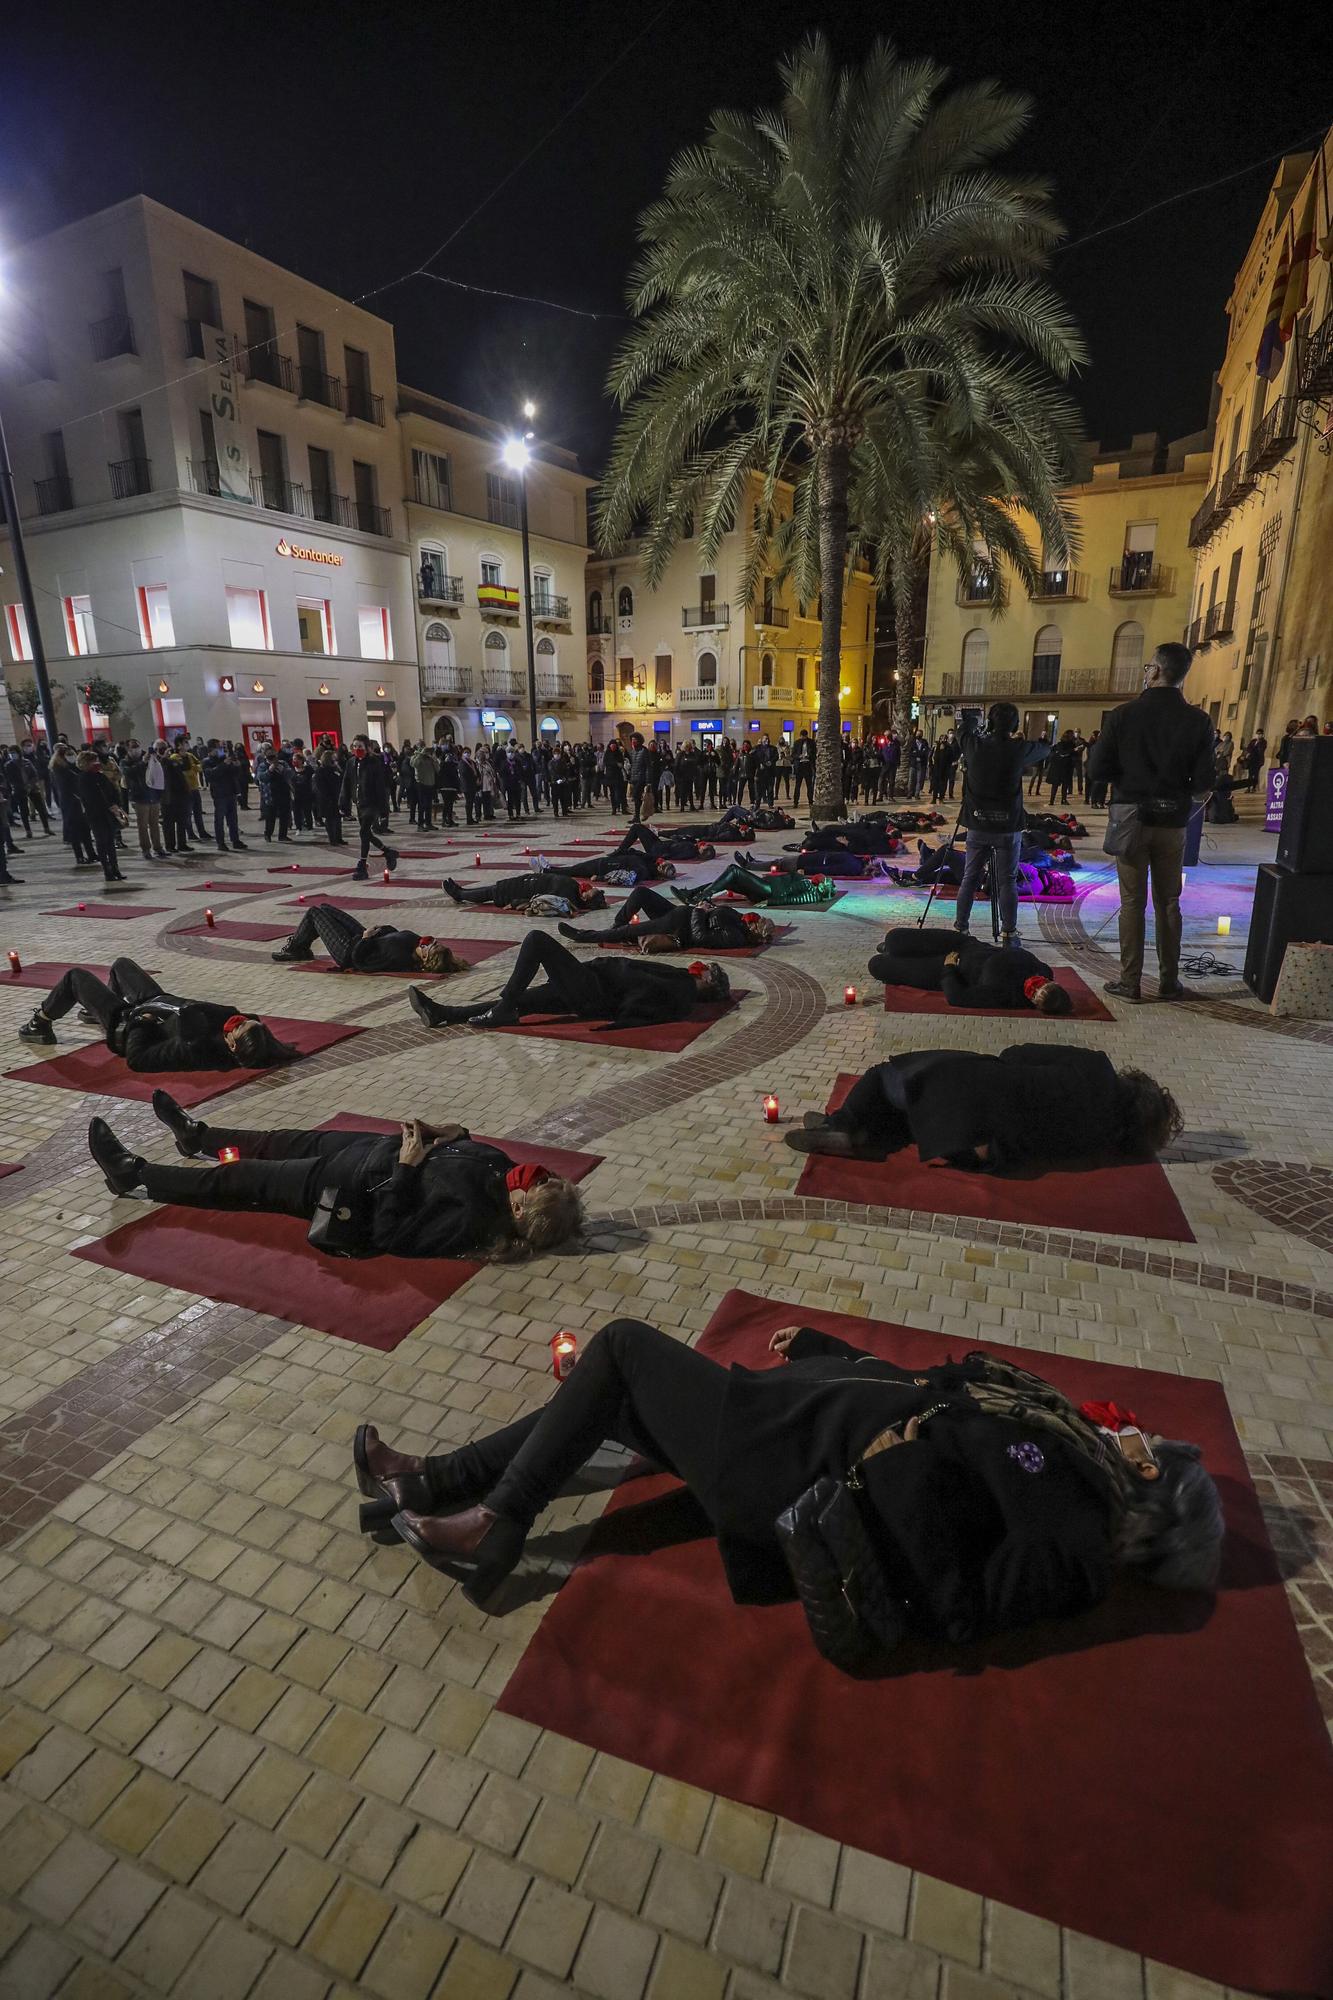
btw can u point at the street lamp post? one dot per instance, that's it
(517, 455)
(29, 602)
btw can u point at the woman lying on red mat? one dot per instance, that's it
(515, 892)
(622, 993)
(424, 1191)
(1032, 1105)
(983, 1498)
(155, 1030)
(967, 972)
(654, 923)
(354, 948)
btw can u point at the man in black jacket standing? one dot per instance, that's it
(365, 792)
(992, 812)
(1157, 752)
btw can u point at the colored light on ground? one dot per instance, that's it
(771, 1110)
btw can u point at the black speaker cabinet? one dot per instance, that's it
(1288, 909)
(1306, 839)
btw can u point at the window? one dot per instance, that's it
(626, 674)
(155, 626)
(201, 300)
(247, 618)
(356, 368)
(432, 481)
(367, 497)
(492, 573)
(439, 645)
(133, 444)
(707, 670)
(314, 616)
(662, 676)
(495, 655)
(595, 611)
(16, 618)
(976, 652)
(1046, 660)
(1126, 657)
(597, 676)
(543, 588)
(1137, 560)
(707, 592)
(625, 602)
(273, 472)
(376, 639)
(501, 500)
(261, 346)
(432, 569)
(310, 363)
(766, 671)
(321, 482)
(80, 633)
(800, 676)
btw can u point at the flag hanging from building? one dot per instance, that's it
(1298, 278)
(1268, 361)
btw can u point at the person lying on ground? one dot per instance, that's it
(1056, 829)
(967, 972)
(682, 845)
(990, 1499)
(355, 948)
(782, 888)
(615, 992)
(743, 822)
(945, 864)
(516, 892)
(656, 924)
(423, 1191)
(855, 837)
(156, 1030)
(839, 861)
(1033, 1105)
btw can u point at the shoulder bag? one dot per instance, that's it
(341, 1223)
(1122, 828)
(853, 1614)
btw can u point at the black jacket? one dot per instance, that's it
(1033, 1102)
(993, 769)
(328, 788)
(988, 975)
(516, 891)
(168, 1033)
(100, 802)
(1157, 747)
(456, 1201)
(975, 1539)
(365, 788)
(385, 949)
(634, 993)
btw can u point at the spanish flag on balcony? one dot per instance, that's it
(1298, 278)
(1268, 361)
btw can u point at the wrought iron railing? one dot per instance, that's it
(315, 386)
(1149, 580)
(364, 404)
(434, 586)
(54, 495)
(265, 364)
(546, 605)
(1056, 584)
(1274, 436)
(112, 335)
(130, 476)
(705, 616)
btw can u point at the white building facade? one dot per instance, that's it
(209, 472)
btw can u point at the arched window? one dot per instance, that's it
(976, 652)
(546, 645)
(800, 676)
(706, 669)
(766, 671)
(625, 601)
(543, 593)
(1126, 657)
(546, 658)
(439, 645)
(597, 676)
(444, 729)
(595, 611)
(1046, 648)
(495, 655)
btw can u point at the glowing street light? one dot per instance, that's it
(529, 409)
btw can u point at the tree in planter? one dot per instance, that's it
(27, 703)
(107, 697)
(817, 286)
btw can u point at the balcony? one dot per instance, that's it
(265, 364)
(54, 495)
(549, 610)
(1317, 362)
(1274, 436)
(446, 683)
(130, 476)
(699, 697)
(503, 683)
(205, 477)
(977, 594)
(1151, 580)
(1206, 517)
(279, 496)
(773, 615)
(194, 338)
(434, 587)
(705, 617)
(775, 697)
(111, 336)
(555, 687)
(1056, 585)
(1220, 621)
(1238, 481)
(364, 405)
(314, 386)
(1194, 633)
(597, 698)
(600, 627)
(500, 599)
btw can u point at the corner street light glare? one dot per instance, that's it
(516, 454)
(529, 410)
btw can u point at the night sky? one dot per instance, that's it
(347, 141)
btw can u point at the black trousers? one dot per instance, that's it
(568, 988)
(425, 806)
(618, 794)
(225, 821)
(281, 1172)
(803, 774)
(369, 837)
(79, 836)
(333, 827)
(913, 957)
(631, 1386)
(105, 1000)
(875, 1104)
(448, 800)
(102, 833)
(337, 930)
(664, 919)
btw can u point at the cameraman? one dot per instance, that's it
(994, 765)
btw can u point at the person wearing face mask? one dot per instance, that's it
(365, 797)
(425, 1191)
(156, 1030)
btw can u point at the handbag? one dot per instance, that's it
(341, 1224)
(854, 1616)
(1122, 828)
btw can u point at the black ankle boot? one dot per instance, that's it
(186, 1131)
(429, 1012)
(122, 1168)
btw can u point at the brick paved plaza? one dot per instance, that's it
(247, 1752)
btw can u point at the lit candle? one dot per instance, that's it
(83, 906)
(300, 899)
(771, 1110)
(849, 996)
(15, 964)
(477, 862)
(386, 875)
(1224, 927)
(229, 1155)
(208, 885)
(564, 1353)
(208, 918)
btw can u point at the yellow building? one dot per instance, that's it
(1262, 609)
(1076, 647)
(693, 658)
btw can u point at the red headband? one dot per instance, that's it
(1033, 986)
(234, 1021)
(696, 967)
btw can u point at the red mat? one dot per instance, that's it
(94, 1068)
(1126, 1198)
(219, 886)
(667, 1037)
(231, 927)
(301, 868)
(44, 972)
(121, 910)
(1156, 1773)
(6, 1170)
(264, 1261)
(1087, 1006)
(474, 950)
(375, 902)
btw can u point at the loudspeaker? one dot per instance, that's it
(1288, 909)
(1306, 839)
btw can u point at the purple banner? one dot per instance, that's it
(1277, 798)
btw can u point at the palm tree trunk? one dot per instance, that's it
(904, 606)
(833, 473)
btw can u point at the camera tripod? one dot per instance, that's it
(985, 887)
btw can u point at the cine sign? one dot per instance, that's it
(286, 548)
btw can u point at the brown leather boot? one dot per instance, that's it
(478, 1546)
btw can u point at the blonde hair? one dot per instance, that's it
(435, 956)
(552, 1213)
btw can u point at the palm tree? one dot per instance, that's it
(817, 287)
